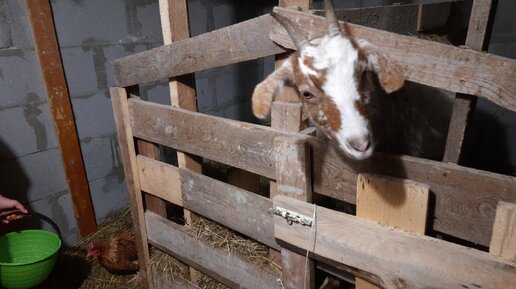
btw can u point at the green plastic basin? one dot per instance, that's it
(27, 258)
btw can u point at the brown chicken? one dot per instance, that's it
(117, 254)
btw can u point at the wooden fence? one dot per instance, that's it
(464, 199)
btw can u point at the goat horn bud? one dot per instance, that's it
(331, 19)
(299, 40)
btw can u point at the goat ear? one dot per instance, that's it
(390, 74)
(266, 90)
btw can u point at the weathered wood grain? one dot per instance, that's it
(293, 171)
(234, 143)
(119, 100)
(393, 258)
(399, 203)
(160, 179)
(223, 266)
(463, 104)
(430, 63)
(465, 198)
(503, 242)
(244, 41)
(49, 57)
(240, 210)
(393, 202)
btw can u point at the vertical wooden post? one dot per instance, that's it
(47, 48)
(503, 241)
(464, 104)
(289, 116)
(175, 27)
(128, 152)
(394, 202)
(293, 176)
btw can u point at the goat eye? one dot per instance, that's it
(307, 94)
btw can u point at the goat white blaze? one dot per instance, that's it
(339, 58)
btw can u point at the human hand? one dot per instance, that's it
(9, 209)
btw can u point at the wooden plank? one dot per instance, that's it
(288, 116)
(465, 104)
(391, 258)
(430, 63)
(237, 209)
(293, 179)
(244, 41)
(150, 150)
(398, 203)
(465, 198)
(49, 56)
(160, 179)
(503, 241)
(393, 202)
(128, 153)
(242, 145)
(225, 267)
(463, 107)
(478, 23)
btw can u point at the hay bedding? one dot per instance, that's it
(73, 270)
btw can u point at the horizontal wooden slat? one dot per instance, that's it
(240, 210)
(392, 258)
(239, 144)
(225, 267)
(160, 179)
(244, 41)
(237, 209)
(430, 63)
(465, 198)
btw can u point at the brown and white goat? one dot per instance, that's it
(354, 94)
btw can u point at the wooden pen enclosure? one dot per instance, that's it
(463, 200)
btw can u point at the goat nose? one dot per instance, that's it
(360, 144)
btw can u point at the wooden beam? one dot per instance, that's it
(126, 142)
(398, 203)
(223, 266)
(426, 62)
(242, 145)
(464, 104)
(293, 179)
(49, 56)
(391, 258)
(244, 41)
(459, 191)
(503, 241)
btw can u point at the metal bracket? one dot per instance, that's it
(292, 217)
